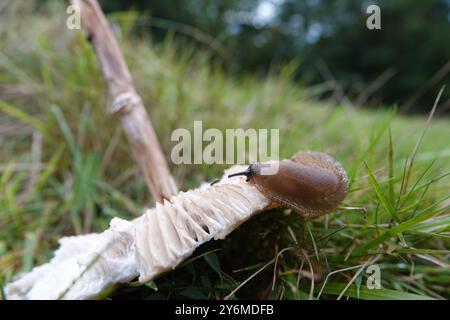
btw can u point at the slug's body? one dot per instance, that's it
(311, 183)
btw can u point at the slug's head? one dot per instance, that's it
(257, 170)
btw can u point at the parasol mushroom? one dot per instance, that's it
(165, 235)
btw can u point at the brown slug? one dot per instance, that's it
(311, 183)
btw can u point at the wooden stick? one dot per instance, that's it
(127, 104)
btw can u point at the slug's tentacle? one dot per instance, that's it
(247, 173)
(214, 182)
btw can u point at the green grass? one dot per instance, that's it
(50, 84)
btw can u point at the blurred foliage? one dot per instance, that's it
(405, 63)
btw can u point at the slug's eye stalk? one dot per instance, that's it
(247, 173)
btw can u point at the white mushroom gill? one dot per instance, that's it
(145, 247)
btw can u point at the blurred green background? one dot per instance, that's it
(405, 63)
